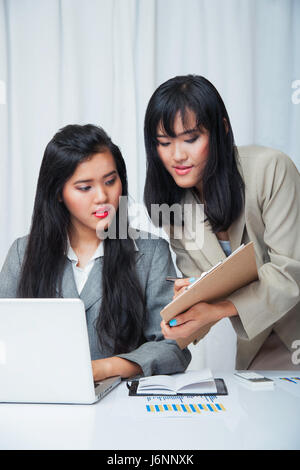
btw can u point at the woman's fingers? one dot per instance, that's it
(181, 331)
(180, 319)
(181, 284)
(185, 324)
(178, 292)
(170, 331)
(166, 330)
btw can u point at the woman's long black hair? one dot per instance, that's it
(45, 255)
(222, 184)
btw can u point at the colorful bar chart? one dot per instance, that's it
(294, 380)
(186, 408)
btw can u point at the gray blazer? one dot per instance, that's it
(153, 264)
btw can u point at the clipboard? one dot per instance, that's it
(236, 271)
(133, 385)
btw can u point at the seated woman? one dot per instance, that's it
(249, 193)
(121, 281)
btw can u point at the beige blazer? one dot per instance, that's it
(271, 219)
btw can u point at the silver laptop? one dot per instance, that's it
(45, 355)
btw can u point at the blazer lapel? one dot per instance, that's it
(204, 238)
(201, 233)
(92, 290)
(236, 229)
(69, 289)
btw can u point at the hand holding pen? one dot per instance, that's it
(180, 284)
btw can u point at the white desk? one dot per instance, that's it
(252, 420)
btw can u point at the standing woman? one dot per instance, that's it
(249, 193)
(120, 281)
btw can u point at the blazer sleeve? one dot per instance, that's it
(157, 355)
(10, 272)
(264, 302)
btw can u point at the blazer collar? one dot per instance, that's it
(201, 234)
(236, 230)
(92, 290)
(69, 289)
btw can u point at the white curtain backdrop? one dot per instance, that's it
(98, 61)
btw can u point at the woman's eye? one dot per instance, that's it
(193, 139)
(164, 144)
(84, 188)
(110, 182)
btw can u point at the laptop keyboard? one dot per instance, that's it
(97, 383)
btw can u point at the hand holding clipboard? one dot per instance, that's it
(236, 271)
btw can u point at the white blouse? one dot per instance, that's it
(81, 274)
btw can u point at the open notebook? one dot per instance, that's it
(200, 382)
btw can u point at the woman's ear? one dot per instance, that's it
(226, 125)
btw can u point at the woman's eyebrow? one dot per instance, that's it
(110, 173)
(90, 180)
(187, 131)
(84, 181)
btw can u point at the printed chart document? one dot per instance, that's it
(191, 382)
(224, 408)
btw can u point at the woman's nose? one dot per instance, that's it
(179, 154)
(101, 195)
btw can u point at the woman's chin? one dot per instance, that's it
(101, 229)
(185, 184)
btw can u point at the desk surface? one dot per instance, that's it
(250, 420)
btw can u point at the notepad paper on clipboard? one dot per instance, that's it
(234, 272)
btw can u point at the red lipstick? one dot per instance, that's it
(182, 170)
(101, 213)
